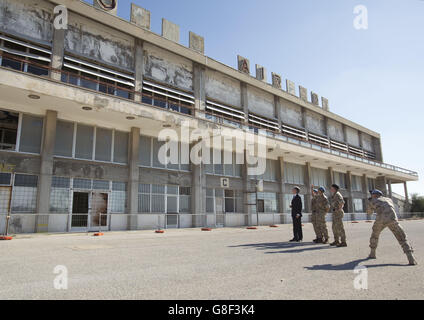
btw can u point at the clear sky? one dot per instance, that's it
(373, 77)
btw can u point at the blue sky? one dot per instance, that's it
(373, 77)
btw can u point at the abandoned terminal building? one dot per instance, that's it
(81, 108)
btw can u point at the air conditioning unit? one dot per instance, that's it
(111, 6)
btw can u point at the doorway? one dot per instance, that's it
(89, 211)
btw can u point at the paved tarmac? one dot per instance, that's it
(223, 264)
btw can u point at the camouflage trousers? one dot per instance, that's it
(338, 228)
(322, 225)
(314, 220)
(395, 228)
(319, 224)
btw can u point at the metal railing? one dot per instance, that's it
(66, 223)
(287, 133)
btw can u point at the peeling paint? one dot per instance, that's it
(315, 123)
(352, 137)
(335, 130)
(367, 142)
(166, 67)
(99, 42)
(78, 169)
(291, 114)
(222, 88)
(32, 19)
(260, 103)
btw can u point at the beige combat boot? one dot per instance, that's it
(411, 259)
(372, 254)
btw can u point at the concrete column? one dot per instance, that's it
(58, 46)
(381, 184)
(304, 119)
(282, 186)
(244, 100)
(365, 186)
(199, 87)
(378, 149)
(389, 185)
(139, 68)
(277, 110)
(349, 190)
(344, 133)
(198, 194)
(405, 188)
(248, 189)
(330, 176)
(46, 171)
(308, 181)
(133, 178)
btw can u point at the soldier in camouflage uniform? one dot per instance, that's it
(314, 215)
(323, 205)
(336, 207)
(386, 217)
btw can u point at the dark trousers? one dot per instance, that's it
(297, 228)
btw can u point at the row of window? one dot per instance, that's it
(20, 132)
(153, 198)
(90, 143)
(24, 56)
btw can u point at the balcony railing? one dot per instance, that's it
(183, 102)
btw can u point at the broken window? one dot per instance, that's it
(8, 129)
(24, 56)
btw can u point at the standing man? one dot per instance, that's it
(296, 211)
(323, 205)
(314, 215)
(386, 217)
(336, 207)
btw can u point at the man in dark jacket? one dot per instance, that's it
(296, 211)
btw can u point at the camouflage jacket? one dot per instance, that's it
(314, 202)
(337, 202)
(383, 207)
(322, 204)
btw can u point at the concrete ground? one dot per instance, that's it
(222, 264)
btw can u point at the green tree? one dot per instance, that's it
(417, 204)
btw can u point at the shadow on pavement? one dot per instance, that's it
(351, 265)
(295, 246)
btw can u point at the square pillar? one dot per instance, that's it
(46, 171)
(308, 194)
(199, 87)
(58, 47)
(139, 69)
(133, 178)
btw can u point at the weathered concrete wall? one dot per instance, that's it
(89, 170)
(222, 88)
(260, 102)
(167, 67)
(315, 123)
(291, 114)
(29, 18)
(215, 182)
(164, 177)
(367, 142)
(335, 130)
(22, 163)
(87, 38)
(352, 137)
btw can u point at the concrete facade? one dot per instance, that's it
(156, 83)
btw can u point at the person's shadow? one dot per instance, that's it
(295, 246)
(351, 265)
